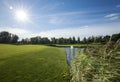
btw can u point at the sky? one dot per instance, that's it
(60, 18)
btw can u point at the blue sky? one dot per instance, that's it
(61, 18)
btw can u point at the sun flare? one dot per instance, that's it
(21, 15)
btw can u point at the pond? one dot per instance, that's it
(71, 52)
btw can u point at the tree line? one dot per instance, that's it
(71, 40)
(6, 37)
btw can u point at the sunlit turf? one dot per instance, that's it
(32, 63)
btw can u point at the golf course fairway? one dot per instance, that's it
(32, 63)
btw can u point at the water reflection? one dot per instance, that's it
(70, 53)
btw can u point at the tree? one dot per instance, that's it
(5, 37)
(106, 38)
(45, 40)
(78, 40)
(115, 37)
(39, 40)
(35, 40)
(73, 40)
(98, 39)
(84, 40)
(69, 40)
(14, 39)
(53, 40)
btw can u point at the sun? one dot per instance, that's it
(21, 15)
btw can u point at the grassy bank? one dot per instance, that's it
(79, 45)
(97, 64)
(32, 63)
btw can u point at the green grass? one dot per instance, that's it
(79, 45)
(32, 63)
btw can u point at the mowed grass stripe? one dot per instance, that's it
(32, 63)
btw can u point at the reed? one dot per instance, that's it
(97, 64)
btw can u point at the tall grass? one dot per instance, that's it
(97, 64)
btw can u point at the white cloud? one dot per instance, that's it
(118, 6)
(68, 13)
(112, 16)
(55, 21)
(13, 30)
(22, 33)
(84, 31)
